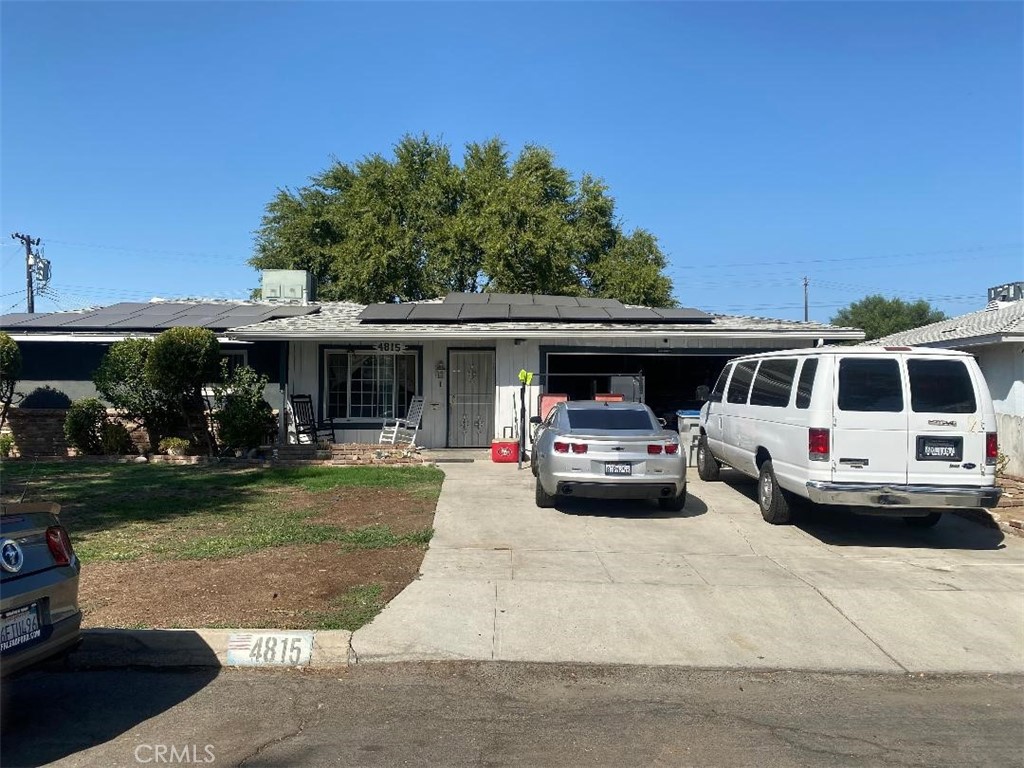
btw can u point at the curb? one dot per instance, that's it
(168, 648)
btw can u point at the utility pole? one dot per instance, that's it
(28, 242)
(806, 318)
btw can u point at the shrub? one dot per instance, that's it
(84, 424)
(115, 439)
(121, 380)
(10, 370)
(174, 444)
(6, 445)
(45, 397)
(180, 363)
(243, 416)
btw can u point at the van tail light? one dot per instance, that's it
(579, 447)
(561, 447)
(817, 444)
(672, 449)
(991, 448)
(655, 449)
(59, 542)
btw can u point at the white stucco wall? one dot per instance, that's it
(1003, 367)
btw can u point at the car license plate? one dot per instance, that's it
(19, 626)
(940, 448)
(618, 468)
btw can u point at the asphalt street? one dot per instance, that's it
(499, 713)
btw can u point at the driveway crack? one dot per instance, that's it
(839, 610)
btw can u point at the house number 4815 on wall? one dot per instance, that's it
(389, 346)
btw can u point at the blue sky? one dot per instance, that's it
(869, 147)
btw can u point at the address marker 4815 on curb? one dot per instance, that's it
(282, 649)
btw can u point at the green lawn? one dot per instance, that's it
(123, 512)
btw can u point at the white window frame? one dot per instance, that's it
(350, 354)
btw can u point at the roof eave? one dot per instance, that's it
(389, 334)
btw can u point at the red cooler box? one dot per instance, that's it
(504, 451)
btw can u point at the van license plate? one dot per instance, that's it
(618, 468)
(19, 626)
(940, 448)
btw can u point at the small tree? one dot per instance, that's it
(10, 370)
(878, 316)
(83, 426)
(121, 380)
(243, 416)
(180, 363)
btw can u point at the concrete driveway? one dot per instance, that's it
(713, 586)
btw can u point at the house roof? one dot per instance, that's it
(150, 317)
(993, 324)
(341, 321)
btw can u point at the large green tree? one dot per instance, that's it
(416, 226)
(878, 316)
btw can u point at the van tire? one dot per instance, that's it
(708, 468)
(771, 498)
(674, 504)
(544, 499)
(927, 521)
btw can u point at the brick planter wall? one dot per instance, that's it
(40, 432)
(1010, 511)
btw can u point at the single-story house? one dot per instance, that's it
(995, 336)
(462, 354)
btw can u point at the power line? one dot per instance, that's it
(153, 251)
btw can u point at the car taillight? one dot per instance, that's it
(654, 449)
(817, 444)
(991, 448)
(579, 447)
(60, 545)
(672, 449)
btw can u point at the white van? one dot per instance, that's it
(900, 430)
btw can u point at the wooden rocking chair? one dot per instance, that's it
(403, 431)
(306, 425)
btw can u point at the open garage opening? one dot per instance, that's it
(670, 381)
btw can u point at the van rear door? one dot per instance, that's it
(869, 421)
(946, 441)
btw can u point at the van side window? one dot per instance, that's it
(740, 384)
(719, 390)
(940, 386)
(806, 383)
(870, 384)
(774, 383)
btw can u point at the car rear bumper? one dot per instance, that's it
(63, 636)
(604, 490)
(880, 495)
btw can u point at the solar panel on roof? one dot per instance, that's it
(591, 302)
(434, 313)
(556, 301)
(385, 313)
(16, 318)
(466, 298)
(500, 298)
(488, 312)
(632, 314)
(684, 315)
(583, 314)
(533, 312)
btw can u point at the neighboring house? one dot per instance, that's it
(995, 336)
(61, 350)
(362, 364)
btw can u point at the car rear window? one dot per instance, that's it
(941, 386)
(870, 384)
(806, 384)
(602, 419)
(774, 383)
(739, 386)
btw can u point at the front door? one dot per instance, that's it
(470, 398)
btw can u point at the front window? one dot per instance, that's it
(368, 384)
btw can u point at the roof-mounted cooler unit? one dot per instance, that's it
(287, 285)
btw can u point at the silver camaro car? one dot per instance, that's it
(607, 451)
(39, 614)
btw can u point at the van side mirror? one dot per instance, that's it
(535, 419)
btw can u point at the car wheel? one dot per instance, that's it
(708, 467)
(771, 498)
(926, 521)
(544, 499)
(674, 504)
